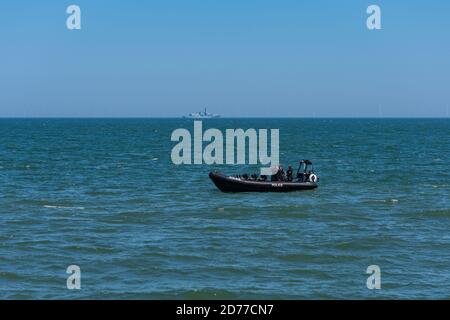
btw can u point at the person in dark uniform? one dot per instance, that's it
(281, 176)
(289, 173)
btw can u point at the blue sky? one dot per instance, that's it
(238, 58)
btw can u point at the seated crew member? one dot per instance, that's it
(289, 173)
(274, 176)
(281, 176)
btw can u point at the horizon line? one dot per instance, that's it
(231, 117)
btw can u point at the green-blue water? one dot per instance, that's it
(104, 195)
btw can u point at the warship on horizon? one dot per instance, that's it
(201, 115)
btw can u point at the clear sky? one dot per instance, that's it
(236, 57)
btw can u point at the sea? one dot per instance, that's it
(105, 196)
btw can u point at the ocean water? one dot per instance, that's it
(103, 194)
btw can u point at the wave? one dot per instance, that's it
(62, 207)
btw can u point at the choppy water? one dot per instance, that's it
(103, 194)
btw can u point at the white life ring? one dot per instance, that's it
(312, 178)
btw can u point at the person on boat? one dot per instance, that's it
(274, 175)
(281, 176)
(289, 173)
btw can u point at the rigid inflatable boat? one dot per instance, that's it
(305, 180)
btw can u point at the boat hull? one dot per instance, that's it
(230, 184)
(201, 117)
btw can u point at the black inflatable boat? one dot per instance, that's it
(305, 180)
